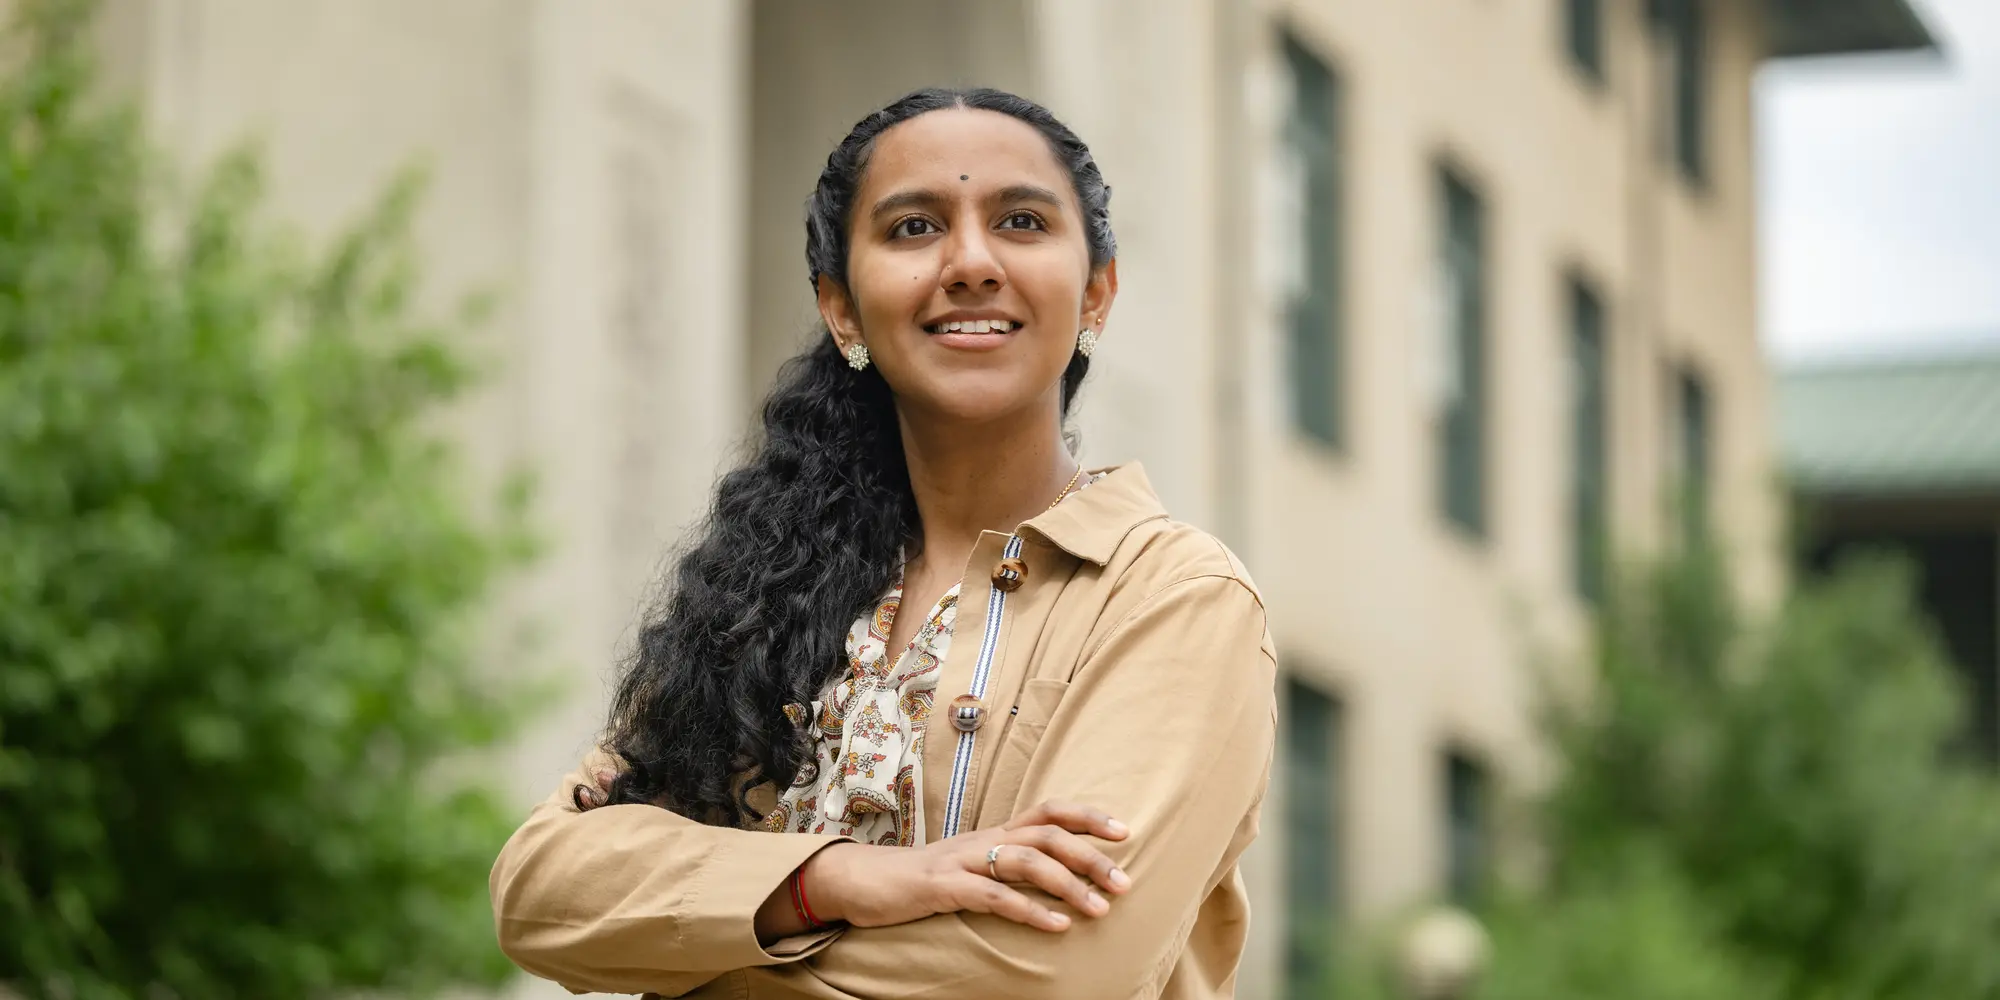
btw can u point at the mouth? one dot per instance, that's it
(973, 326)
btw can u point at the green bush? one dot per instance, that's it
(1795, 776)
(1630, 932)
(1752, 810)
(239, 583)
(1634, 932)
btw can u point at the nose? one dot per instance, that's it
(969, 262)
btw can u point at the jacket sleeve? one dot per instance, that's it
(1169, 726)
(636, 899)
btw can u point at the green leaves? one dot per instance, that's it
(1753, 810)
(1634, 931)
(1794, 776)
(241, 579)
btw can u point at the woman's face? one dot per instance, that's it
(968, 268)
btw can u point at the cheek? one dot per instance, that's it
(894, 283)
(1054, 288)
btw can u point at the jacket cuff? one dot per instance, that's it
(737, 883)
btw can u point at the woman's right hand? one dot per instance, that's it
(869, 886)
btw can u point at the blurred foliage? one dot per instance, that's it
(1753, 810)
(239, 583)
(1796, 776)
(1632, 931)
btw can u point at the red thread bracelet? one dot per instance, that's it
(799, 903)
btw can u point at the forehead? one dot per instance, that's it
(934, 150)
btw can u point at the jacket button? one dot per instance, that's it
(1008, 575)
(967, 714)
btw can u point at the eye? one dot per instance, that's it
(1023, 219)
(915, 225)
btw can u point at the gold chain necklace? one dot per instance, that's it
(1066, 489)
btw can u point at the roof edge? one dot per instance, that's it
(1892, 490)
(1802, 28)
(1886, 359)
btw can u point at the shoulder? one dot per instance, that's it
(1183, 586)
(1118, 527)
(1164, 553)
(1137, 564)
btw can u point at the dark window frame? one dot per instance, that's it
(1694, 443)
(1315, 324)
(1584, 38)
(1312, 735)
(1590, 421)
(1464, 430)
(1685, 25)
(1468, 820)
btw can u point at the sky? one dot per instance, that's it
(1879, 195)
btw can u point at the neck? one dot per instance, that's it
(988, 478)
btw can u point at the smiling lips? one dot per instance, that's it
(973, 326)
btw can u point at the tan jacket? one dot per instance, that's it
(1130, 670)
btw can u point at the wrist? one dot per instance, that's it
(822, 876)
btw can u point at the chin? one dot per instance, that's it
(977, 397)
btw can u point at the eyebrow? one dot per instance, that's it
(924, 197)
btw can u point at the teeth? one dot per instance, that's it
(975, 326)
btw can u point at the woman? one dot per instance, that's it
(776, 811)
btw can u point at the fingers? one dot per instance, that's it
(1072, 817)
(1021, 863)
(1076, 856)
(983, 895)
(1044, 847)
(587, 797)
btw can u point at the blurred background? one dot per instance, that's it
(1457, 319)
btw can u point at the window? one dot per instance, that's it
(1311, 170)
(1589, 454)
(1467, 823)
(1695, 473)
(1585, 30)
(1686, 27)
(1462, 424)
(1312, 835)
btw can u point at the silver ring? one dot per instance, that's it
(993, 861)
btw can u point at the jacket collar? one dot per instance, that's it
(1092, 522)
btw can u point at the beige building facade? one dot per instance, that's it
(1364, 248)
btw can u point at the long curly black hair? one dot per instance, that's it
(801, 538)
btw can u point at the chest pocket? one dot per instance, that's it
(1025, 726)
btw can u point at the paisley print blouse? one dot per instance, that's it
(865, 780)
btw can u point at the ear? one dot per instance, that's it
(836, 308)
(1097, 296)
